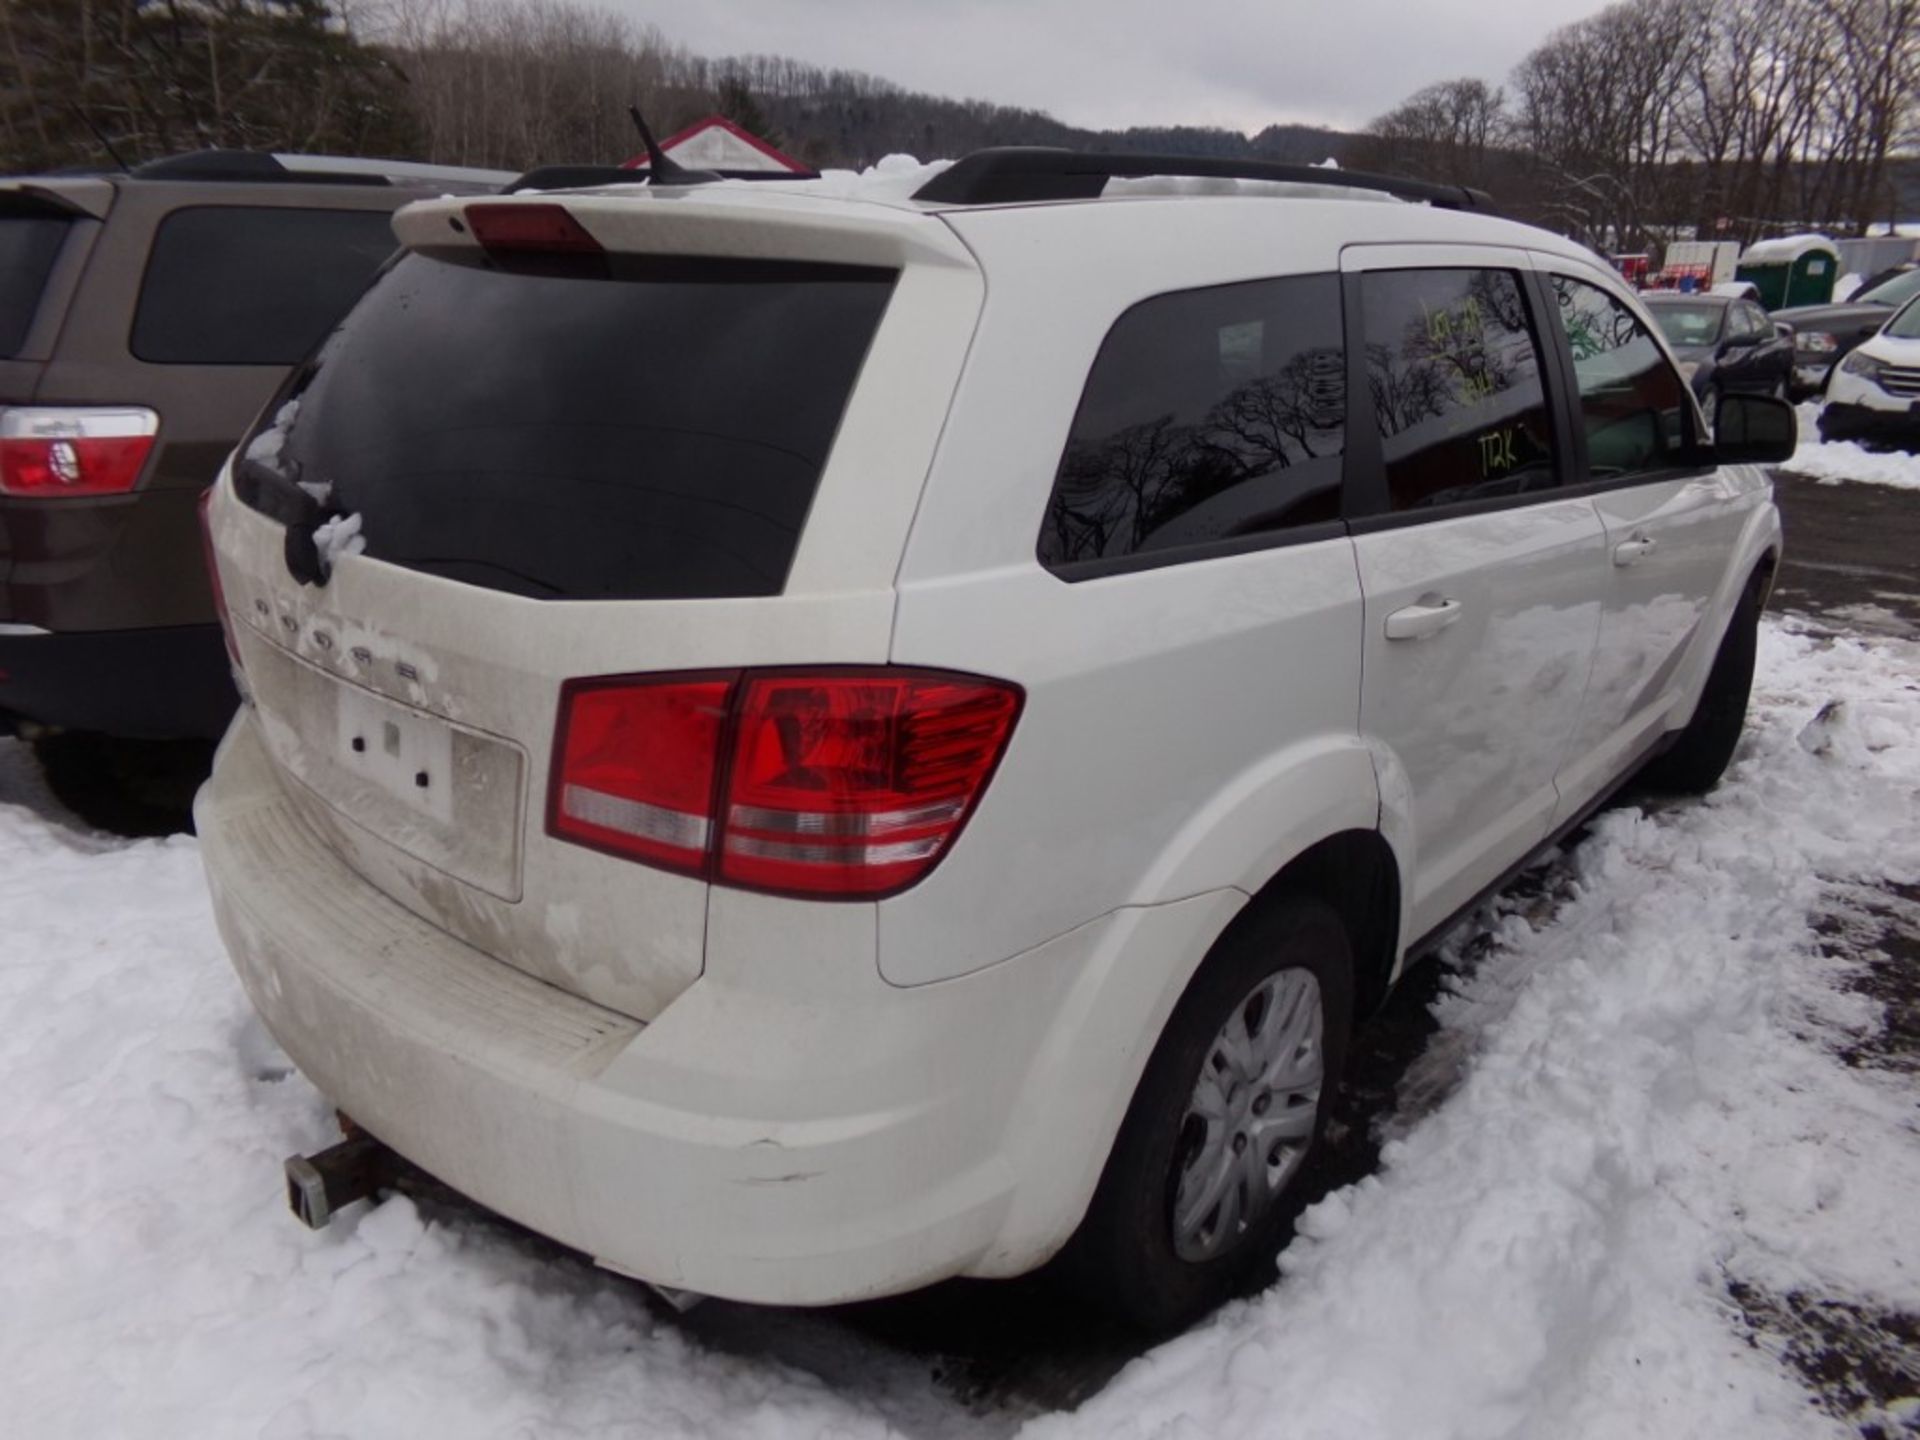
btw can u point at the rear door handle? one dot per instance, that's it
(1426, 616)
(1633, 551)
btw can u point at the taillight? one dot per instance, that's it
(48, 451)
(843, 783)
(634, 767)
(538, 227)
(853, 784)
(212, 559)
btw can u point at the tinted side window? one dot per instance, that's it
(28, 247)
(1632, 401)
(238, 286)
(1209, 415)
(1759, 327)
(1456, 380)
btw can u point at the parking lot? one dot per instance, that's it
(1850, 556)
(1641, 1147)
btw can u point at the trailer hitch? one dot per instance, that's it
(356, 1168)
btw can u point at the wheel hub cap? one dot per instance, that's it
(1251, 1115)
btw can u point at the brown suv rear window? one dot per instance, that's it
(653, 433)
(253, 285)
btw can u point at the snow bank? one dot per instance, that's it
(1832, 463)
(1644, 1107)
(1647, 1114)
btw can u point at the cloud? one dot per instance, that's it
(1238, 63)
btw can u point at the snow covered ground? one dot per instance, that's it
(1845, 460)
(1639, 1104)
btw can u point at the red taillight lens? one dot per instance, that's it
(549, 228)
(840, 783)
(212, 558)
(855, 784)
(635, 764)
(58, 451)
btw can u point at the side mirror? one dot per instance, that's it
(1783, 329)
(1754, 430)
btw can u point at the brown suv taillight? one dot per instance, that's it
(833, 783)
(55, 451)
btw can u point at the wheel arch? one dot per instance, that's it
(1123, 1014)
(1357, 873)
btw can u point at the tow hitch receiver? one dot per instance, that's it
(318, 1185)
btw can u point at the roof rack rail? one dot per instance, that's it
(584, 177)
(1019, 173)
(267, 167)
(255, 165)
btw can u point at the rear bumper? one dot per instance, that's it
(159, 684)
(1895, 429)
(787, 1148)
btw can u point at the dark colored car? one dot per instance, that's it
(1724, 346)
(145, 317)
(1823, 334)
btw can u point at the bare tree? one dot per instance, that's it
(1443, 132)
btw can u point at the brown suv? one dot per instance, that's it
(144, 318)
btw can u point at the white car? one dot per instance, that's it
(1873, 394)
(876, 738)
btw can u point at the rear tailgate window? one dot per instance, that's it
(29, 244)
(654, 429)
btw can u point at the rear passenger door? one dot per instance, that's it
(1671, 522)
(1481, 577)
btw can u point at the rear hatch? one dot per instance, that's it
(46, 228)
(678, 447)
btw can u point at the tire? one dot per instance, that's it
(1697, 760)
(130, 787)
(1132, 1256)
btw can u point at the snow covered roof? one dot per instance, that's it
(716, 143)
(1786, 249)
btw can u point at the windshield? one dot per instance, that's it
(653, 433)
(1685, 325)
(1897, 291)
(1905, 325)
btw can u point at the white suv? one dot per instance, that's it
(881, 737)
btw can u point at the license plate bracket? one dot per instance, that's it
(405, 753)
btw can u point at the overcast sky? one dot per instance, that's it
(1113, 63)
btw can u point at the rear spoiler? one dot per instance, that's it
(81, 195)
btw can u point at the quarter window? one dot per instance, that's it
(1633, 403)
(1455, 372)
(233, 285)
(1210, 415)
(29, 244)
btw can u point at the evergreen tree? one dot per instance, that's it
(141, 78)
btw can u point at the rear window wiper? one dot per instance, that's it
(277, 496)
